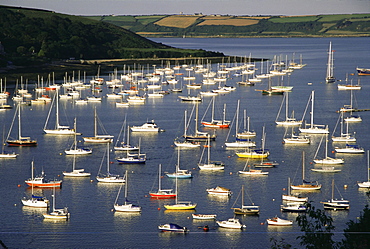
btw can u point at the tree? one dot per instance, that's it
(357, 232)
(317, 228)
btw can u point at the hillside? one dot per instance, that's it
(35, 36)
(243, 26)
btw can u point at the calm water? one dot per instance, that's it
(92, 222)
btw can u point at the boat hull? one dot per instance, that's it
(14, 143)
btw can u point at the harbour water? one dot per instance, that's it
(93, 224)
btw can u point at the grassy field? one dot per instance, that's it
(230, 21)
(290, 19)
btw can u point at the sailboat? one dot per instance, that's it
(185, 143)
(198, 136)
(241, 143)
(76, 172)
(335, 204)
(351, 117)
(305, 184)
(127, 206)
(243, 209)
(179, 173)
(108, 177)
(344, 137)
(246, 133)
(41, 182)
(210, 165)
(162, 193)
(330, 67)
(35, 201)
(98, 138)
(252, 171)
(327, 159)
(366, 184)
(6, 154)
(133, 158)
(125, 146)
(296, 139)
(313, 128)
(20, 141)
(183, 205)
(216, 123)
(58, 129)
(256, 153)
(74, 150)
(289, 121)
(60, 213)
(294, 198)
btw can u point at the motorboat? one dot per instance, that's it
(293, 207)
(276, 221)
(219, 191)
(231, 223)
(170, 227)
(204, 216)
(149, 126)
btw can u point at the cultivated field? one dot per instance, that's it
(177, 21)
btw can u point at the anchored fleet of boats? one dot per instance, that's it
(244, 145)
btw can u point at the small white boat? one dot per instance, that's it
(210, 165)
(204, 216)
(149, 126)
(366, 184)
(293, 198)
(219, 191)
(327, 159)
(231, 223)
(351, 149)
(326, 169)
(306, 185)
(313, 128)
(335, 204)
(61, 214)
(76, 172)
(190, 98)
(293, 207)
(35, 201)
(276, 221)
(108, 177)
(170, 227)
(127, 206)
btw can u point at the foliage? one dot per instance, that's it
(281, 244)
(357, 232)
(317, 228)
(32, 34)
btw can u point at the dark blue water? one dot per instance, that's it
(92, 222)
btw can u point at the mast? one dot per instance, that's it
(95, 123)
(57, 109)
(185, 125)
(237, 118)
(126, 188)
(224, 114)
(312, 104)
(302, 165)
(159, 177)
(213, 109)
(19, 122)
(196, 118)
(242, 196)
(209, 149)
(108, 158)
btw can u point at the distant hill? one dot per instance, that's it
(31, 35)
(243, 26)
